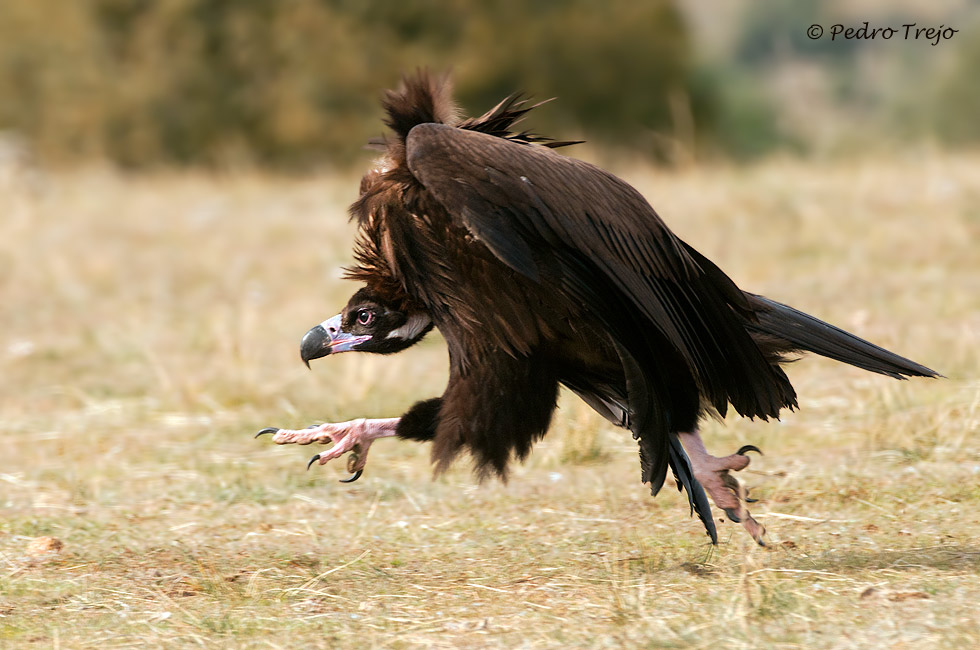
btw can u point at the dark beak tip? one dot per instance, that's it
(315, 344)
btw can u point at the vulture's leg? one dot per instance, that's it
(725, 490)
(354, 435)
(418, 423)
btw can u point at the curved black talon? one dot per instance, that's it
(353, 458)
(267, 430)
(732, 515)
(744, 448)
(353, 478)
(352, 464)
(312, 460)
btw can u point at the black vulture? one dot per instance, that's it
(541, 270)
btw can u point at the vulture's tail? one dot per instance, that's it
(781, 329)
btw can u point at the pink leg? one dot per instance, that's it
(355, 436)
(725, 490)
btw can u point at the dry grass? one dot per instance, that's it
(150, 326)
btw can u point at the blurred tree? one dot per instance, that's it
(291, 83)
(781, 88)
(956, 104)
(613, 65)
(294, 83)
(50, 76)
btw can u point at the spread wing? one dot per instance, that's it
(579, 230)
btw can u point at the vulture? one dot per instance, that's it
(542, 271)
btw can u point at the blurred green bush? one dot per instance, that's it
(292, 83)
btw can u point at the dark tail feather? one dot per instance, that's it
(803, 332)
(649, 428)
(695, 493)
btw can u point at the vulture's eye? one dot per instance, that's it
(365, 317)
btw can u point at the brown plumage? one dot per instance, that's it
(541, 270)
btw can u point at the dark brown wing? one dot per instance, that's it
(585, 233)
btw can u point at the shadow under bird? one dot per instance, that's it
(541, 270)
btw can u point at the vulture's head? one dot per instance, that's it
(366, 324)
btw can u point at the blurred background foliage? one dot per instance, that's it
(293, 84)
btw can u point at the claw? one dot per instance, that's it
(315, 458)
(732, 515)
(353, 478)
(267, 430)
(731, 483)
(352, 460)
(746, 448)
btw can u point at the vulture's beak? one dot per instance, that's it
(327, 338)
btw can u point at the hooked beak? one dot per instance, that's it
(327, 338)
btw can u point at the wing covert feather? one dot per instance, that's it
(534, 208)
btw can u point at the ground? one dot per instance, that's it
(151, 326)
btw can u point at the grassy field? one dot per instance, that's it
(150, 326)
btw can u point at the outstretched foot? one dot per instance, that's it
(354, 436)
(725, 490)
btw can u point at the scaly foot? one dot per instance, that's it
(725, 490)
(354, 436)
